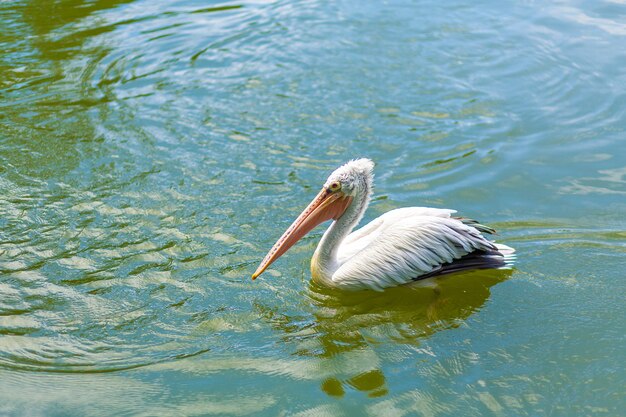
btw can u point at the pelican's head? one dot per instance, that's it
(346, 182)
(353, 178)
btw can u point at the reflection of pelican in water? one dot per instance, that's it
(347, 326)
(399, 247)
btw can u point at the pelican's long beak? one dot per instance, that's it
(327, 205)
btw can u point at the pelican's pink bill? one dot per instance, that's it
(327, 205)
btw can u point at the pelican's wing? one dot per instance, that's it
(403, 248)
(358, 240)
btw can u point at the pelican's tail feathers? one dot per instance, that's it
(508, 253)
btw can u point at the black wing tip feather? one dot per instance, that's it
(479, 259)
(477, 225)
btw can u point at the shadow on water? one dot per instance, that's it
(353, 323)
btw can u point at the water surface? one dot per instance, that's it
(151, 152)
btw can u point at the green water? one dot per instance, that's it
(152, 151)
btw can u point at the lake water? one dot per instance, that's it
(152, 151)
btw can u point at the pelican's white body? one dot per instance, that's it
(398, 247)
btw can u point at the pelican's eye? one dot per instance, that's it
(334, 186)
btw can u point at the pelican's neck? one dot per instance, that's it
(324, 262)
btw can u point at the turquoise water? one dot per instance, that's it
(151, 152)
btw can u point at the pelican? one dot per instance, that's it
(398, 248)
